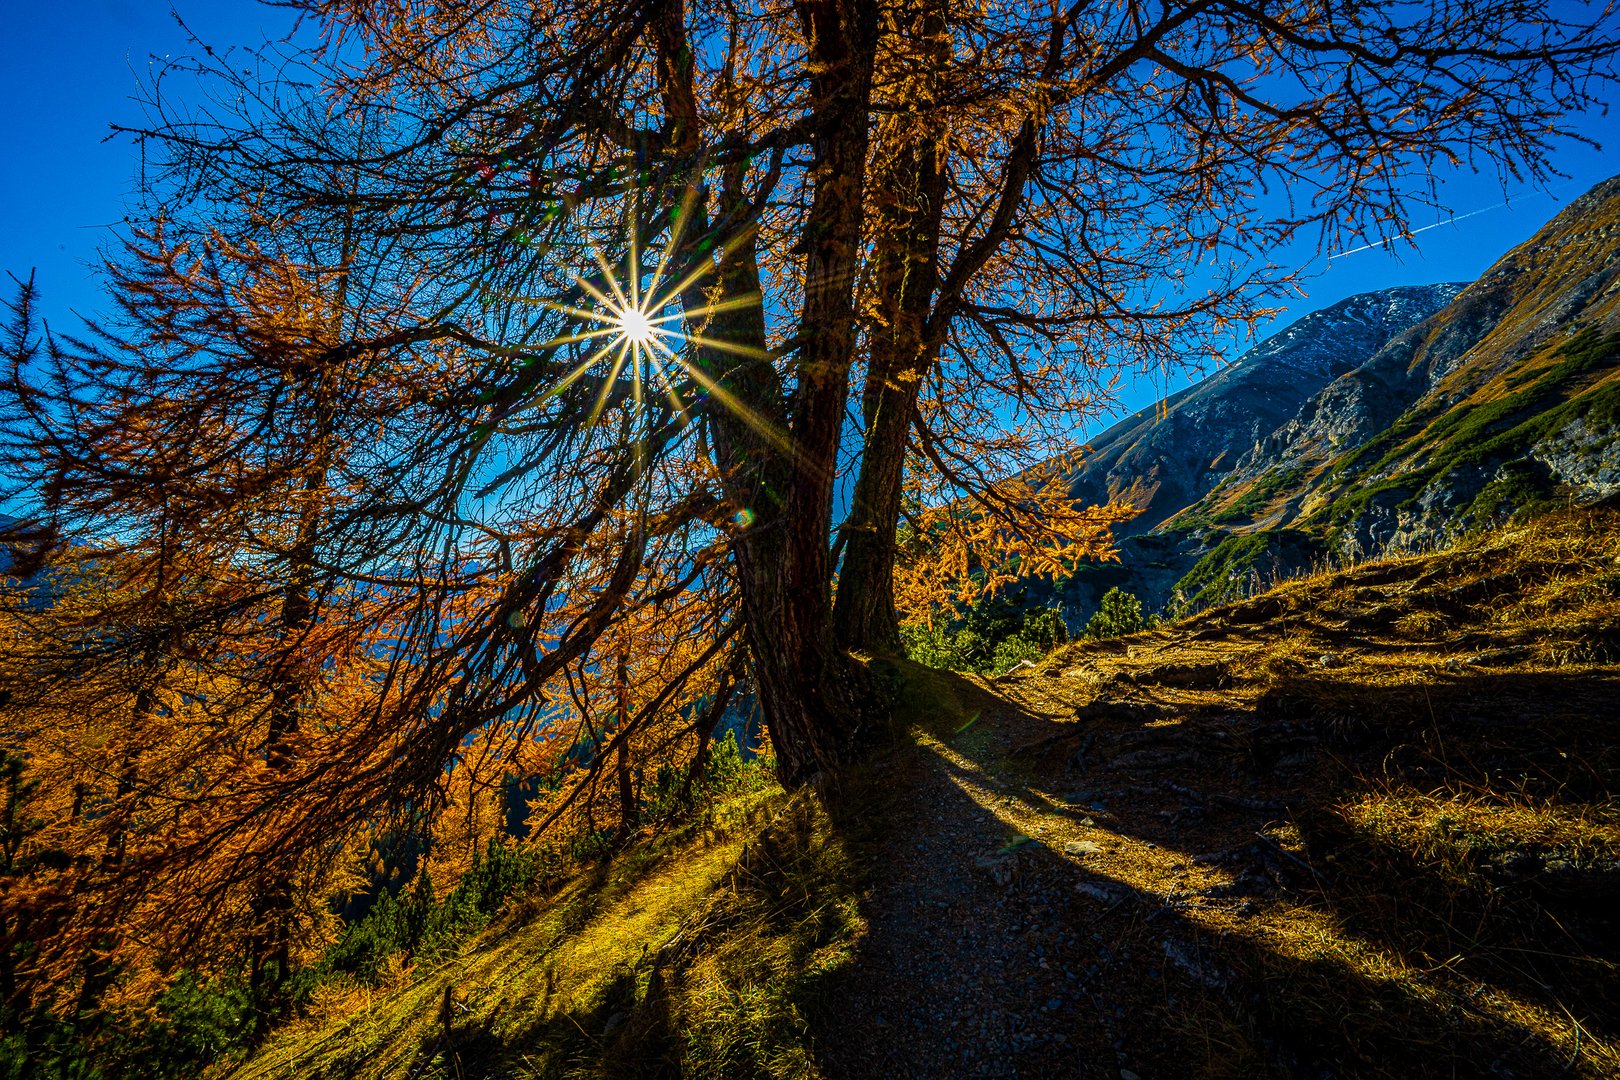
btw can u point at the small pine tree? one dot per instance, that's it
(1119, 613)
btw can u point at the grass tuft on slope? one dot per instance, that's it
(692, 954)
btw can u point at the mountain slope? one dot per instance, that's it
(1563, 279)
(1165, 457)
(1506, 397)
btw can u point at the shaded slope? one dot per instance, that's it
(687, 954)
(1365, 825)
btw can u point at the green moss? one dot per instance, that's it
(1191, 520)
(1348, 507)
(1387, 444)
(1519, 490)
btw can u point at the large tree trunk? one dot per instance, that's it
(909, 174)
(805, 683)
(779, 457)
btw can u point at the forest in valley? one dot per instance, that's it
(562, 496)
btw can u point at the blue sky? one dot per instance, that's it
(71, 68)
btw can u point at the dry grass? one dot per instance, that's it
(1430, 747)
(692, 954)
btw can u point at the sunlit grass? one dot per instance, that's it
(696, 947)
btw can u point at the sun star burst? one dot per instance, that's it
(639, 324)
(636, 327)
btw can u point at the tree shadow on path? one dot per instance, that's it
(1145, 920)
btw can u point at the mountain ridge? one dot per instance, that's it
(1501, 398)
(1425, 358)
(1200, 431)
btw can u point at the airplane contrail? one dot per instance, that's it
(1414, 232)
(1552, 191)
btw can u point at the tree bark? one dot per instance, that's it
(805, 683)
(909, 183)
(779, 457)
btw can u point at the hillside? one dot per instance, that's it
(1364, 824)
(1502, 398)
(1165, 457)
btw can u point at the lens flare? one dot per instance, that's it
(636, 327)
(644, 325)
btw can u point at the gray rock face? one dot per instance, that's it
(1583, 456)
(1342, 415)
(1163, 460)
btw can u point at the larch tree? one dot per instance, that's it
(210, 688)
(625, 299)
(170, 670)
(881, 240)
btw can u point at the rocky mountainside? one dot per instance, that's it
(1170, 455)
(1507, 397)
(1563, 279)
(1464, 407)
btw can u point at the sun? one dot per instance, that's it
(636, 327)
(639, 325)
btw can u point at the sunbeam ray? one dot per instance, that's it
(642, 322)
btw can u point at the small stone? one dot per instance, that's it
(1098, 891)
(1328, 660)
(1000, 868)
(1126, 1074)
(1080, 847)
(614, 1023)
